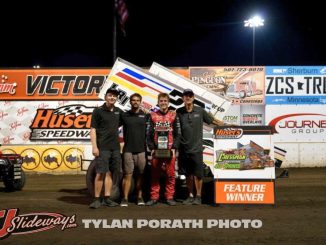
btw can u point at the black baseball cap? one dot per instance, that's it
(112, 91)
(188, 91)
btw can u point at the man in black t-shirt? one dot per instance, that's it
(191, 145)
(134, 130)
(106, 120)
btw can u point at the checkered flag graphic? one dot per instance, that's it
(73, 110)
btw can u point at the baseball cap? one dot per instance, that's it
(188, 91)
(112, 91)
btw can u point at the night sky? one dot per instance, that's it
(173, 33)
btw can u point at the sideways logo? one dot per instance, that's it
(14, 224)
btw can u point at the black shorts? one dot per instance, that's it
(111, 161)
(191, 164)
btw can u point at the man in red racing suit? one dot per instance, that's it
(163, 122)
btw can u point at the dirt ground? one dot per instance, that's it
(299, 216)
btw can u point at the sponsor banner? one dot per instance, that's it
(50, 158)
(55, 84)
(305, 123)
(21, 123)
(246, 192)
(248, 148)
(52, 84)
(232, 116)
(129, 79)
(244, 157)
(252, 115)
(295, 85)
(243, 85)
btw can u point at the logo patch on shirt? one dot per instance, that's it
(116, 112)
(196, 115)
(141, 115)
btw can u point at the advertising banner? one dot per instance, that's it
(291, 85)
(41, 121)
(52, 84)
(49, 158)
(251, 192)
(243, 85)
(291, 123)
(232, 116)
(243, 152)
(252, 115)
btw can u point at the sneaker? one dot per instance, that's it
(171, 202)
(151, 202)
(95, 204)
(197, 200)
(140, 201)
(188, 201)
(124, 203)
(110, 203)
(284, 174)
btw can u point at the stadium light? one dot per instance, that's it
(254, 22)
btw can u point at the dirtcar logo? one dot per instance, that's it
(228, 133)
(67, 122)
(14, 224)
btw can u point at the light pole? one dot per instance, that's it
(254, 22)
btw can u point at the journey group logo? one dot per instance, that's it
(11, 223)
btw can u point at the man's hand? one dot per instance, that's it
(95, 152)
(173, 152)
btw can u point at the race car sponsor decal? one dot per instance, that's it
(128, 79)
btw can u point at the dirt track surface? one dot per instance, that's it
(299, 216)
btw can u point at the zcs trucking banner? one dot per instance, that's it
(293, 85)
(235, 192)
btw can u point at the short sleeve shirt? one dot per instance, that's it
(192, 128)
(107, 124)
(134, 131)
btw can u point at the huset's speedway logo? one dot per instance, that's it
(13, 224)
(228, 133)
(71, 122)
